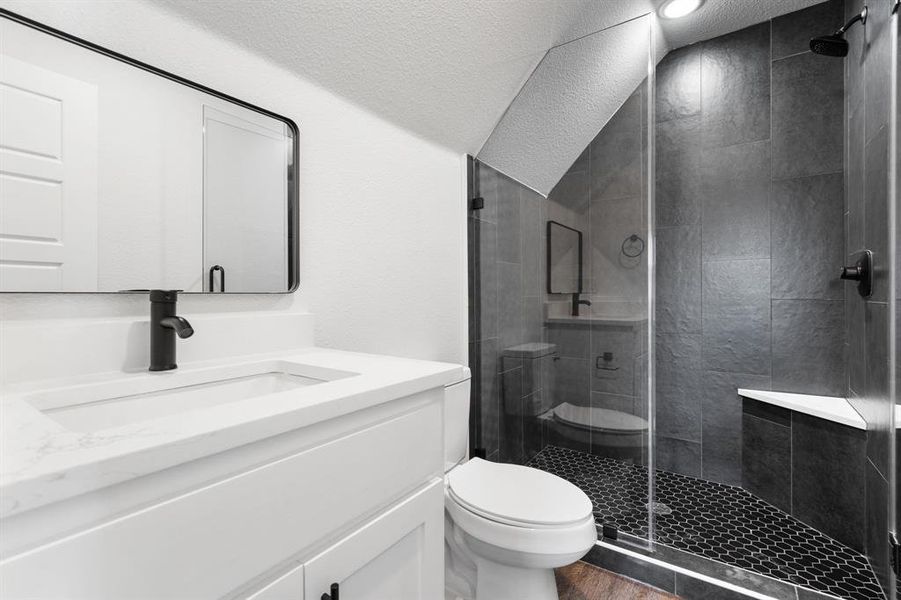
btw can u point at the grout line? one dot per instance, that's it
(789, 55)
(808, 176)
(729, 259)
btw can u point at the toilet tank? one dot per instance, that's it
(456, 421)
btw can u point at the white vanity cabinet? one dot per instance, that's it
(392, 557)
(359, 502)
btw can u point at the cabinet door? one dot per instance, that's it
(398, 555)
(217, 538)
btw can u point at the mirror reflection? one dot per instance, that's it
(564, 259)
(116, 178)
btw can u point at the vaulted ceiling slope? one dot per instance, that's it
(444, 69)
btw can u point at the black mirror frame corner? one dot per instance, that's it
(294, 176)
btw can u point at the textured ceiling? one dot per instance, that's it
(445, 69)
(569, 98)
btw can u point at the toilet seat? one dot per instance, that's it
(570, 541)
(518, 496)
(598, 419)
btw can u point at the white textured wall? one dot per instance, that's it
(383, 212)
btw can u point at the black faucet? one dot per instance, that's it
(577, 302)
(164, 326)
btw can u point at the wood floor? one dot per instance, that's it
(581, 581)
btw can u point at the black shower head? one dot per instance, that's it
(829, 45)
(836, 44)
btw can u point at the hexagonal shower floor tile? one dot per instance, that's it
(719, 522)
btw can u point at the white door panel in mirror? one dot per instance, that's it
(48, 191)
(155, 180)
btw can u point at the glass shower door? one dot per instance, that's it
(895, 303)
(560, 262)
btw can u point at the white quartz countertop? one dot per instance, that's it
(831, 408)
(626, 321)
(43, 462)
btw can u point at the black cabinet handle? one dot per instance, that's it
(221, 270)
(333, 593)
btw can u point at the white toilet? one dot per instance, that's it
(506, 526)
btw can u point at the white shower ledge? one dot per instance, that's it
(831, 408)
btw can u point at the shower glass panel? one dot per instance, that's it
(895, 240)
(716, 195)
(560, 278)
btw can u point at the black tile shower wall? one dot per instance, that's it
(506, 262)
(867, 93)
(809, 467)
(749, 214)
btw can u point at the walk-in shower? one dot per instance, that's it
(724, 399)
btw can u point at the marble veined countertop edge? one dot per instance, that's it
(42, 462)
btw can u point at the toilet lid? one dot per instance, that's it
(517, 495)
(599, 419)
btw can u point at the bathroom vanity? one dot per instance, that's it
(272, 475)
(254, 466)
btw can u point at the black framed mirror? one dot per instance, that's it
(116, 176)
(564, 259)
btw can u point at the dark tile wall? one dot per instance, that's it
(506, 262)
(867, 77)
(807, 466)
(749, 212)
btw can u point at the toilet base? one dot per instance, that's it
(496, 581)
(507, 575)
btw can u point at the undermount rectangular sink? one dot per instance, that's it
(131, 399)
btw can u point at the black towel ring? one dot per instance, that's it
(633, 246)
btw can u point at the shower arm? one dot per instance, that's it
(862, 17)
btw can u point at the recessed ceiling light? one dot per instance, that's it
(679, 8)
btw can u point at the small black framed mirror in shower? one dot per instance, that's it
(564, 259)
(118, 176)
